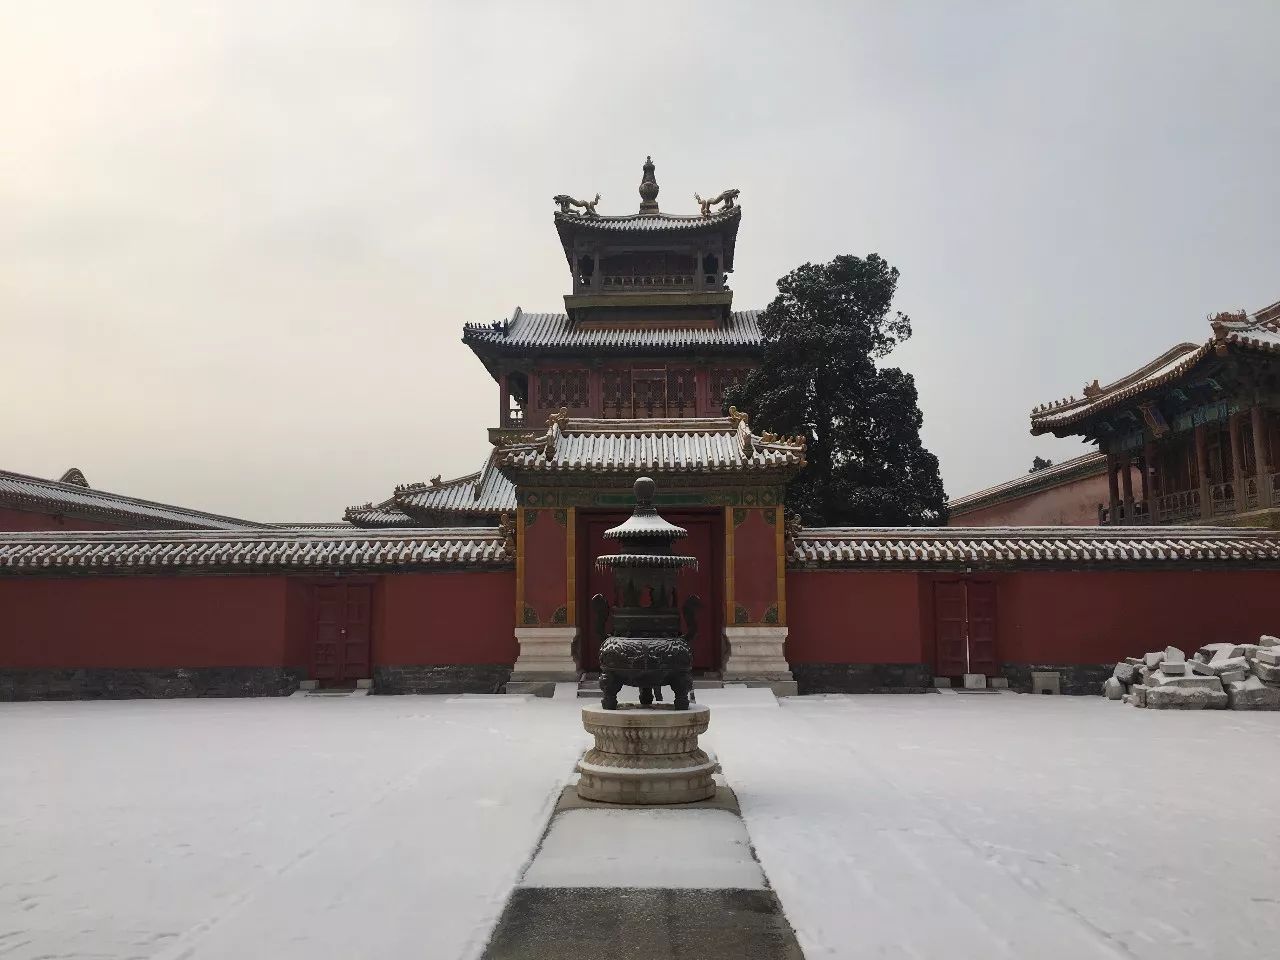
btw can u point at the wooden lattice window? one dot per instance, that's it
(722, 378)
(649, 392)
(563, 388)
(682, 396)
(615, 390)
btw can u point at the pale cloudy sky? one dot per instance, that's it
(238, 240)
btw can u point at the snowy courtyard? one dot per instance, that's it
(890, 826)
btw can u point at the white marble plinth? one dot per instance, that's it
(646, 755)
(546, 653)
(756, 653)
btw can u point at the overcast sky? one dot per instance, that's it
(238, 240)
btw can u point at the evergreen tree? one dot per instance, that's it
(818, 378)
(1038, 464)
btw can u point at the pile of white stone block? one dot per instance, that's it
(1220, 676)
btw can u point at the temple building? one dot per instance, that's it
(629, 379)
(1197, 427)
(483, 583)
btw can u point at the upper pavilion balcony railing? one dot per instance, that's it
(660, 282)
(513, 418)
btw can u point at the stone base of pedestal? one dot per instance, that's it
(757, 654)
(546, 654)
(646, 755)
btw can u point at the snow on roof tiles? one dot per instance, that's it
(935, 547)
(691, 445)
(553, 331)
(302, 548)
(74, 497)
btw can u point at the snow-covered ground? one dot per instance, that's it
(283, 828)
(1013, 826)
(906, 826)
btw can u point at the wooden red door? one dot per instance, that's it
(702, 583)
(949, 625)
(964, 615)
(340, 648)
(981, 603)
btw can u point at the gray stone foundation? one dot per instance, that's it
(863, 677)
(1078, 679)
(448, 678)
(123, 683)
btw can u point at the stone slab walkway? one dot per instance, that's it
(669, 883)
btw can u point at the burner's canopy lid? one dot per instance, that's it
(644, 521)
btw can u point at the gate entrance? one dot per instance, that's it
(341, 633)
(965, 627)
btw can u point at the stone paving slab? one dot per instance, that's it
(566, 923)
(650, 847)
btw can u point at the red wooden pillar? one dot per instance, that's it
(504, 398)
(1112, 490)
(1237, 462)
(1202, 471)
(1126, 478)
(1149, 479)
(1261, 455)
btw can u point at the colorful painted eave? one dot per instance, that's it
(1261, 332)
(300, 549)
(1088, 465)
(988, 548)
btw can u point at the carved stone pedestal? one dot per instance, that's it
(646, 755)
(546, 653)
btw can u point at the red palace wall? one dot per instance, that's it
(1099, 617)
(545, 536)
(441, 632)
(755, 568)
(33, 520)
(445, 618)
(837, 616)
(1054, 619)
(144, 622)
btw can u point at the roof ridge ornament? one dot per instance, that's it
(725, 197)
(566, 201)
(648, 188)
(74, 475)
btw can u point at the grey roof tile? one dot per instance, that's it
(24, 492)
(1018, 547)
(693, 445)
(553, 332)
(302, 548)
